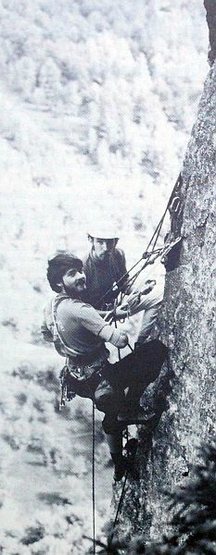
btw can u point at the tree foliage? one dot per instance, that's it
(79, 60)
(194, 519)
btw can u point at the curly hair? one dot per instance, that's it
(59, 265)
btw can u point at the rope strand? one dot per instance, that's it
(151, 244)
(120, 499)
(93, 480)
(147, 255)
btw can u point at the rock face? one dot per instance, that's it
(210, 6)
(186, 327)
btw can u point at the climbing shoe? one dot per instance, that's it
(121, 466)
(126, 464)
(137, 416)
(131, 449)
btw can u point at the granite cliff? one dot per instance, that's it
(184, 396)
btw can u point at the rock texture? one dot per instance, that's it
(210, 6)
(186, 327)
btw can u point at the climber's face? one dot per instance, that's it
(102, 247)
(74, 282)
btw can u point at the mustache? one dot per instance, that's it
(81, 281)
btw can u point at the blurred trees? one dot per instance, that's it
(119, 72)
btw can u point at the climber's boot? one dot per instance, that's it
(120, 464)
(131, 449)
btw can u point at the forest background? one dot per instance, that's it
(97, 104)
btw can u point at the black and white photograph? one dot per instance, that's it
(107, 172)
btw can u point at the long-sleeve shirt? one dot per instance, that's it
(80, 327)
(100, 276)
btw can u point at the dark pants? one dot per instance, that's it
(135, 372)
(107, 385)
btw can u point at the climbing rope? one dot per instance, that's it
(119, 506)
(173, 203)
(147, 256)
(115, 323)
(121, 498)
(93, 480)
(162, 252)
(156, 233)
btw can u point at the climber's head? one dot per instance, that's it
(65, 274)
(103, 238)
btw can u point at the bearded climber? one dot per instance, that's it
(79, 333)
(105, 266)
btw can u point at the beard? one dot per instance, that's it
(103, 256)
(74, 292)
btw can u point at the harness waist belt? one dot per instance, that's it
(86, 359)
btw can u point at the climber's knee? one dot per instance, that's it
(110, 424)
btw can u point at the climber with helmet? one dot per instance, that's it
(79, 333)
(105, 265)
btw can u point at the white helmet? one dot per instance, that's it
(103, 230)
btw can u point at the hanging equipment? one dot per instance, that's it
(172, 205)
